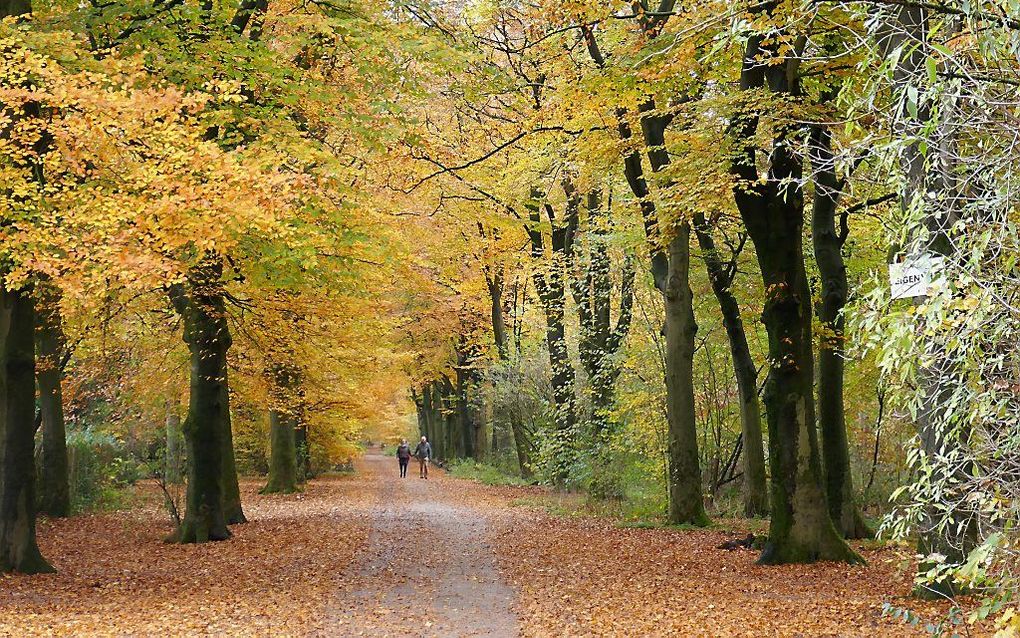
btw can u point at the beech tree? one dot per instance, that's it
(772, 207)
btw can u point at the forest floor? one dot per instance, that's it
(374, 555)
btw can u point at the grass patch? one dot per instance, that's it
(484, 473)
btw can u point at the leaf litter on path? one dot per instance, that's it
(305, 565)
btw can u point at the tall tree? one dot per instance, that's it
(200, 303)
(591, 284)
(494, 282)
(174, 441)
(550, 282)
(772, 208)
(720, 275)
(670, 266)
(466, 375)
(828, 241)
(599, 340)
(284, 417)
(948, 532)
(18, 549)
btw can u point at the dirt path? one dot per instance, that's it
(426, 569)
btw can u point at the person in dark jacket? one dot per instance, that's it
(403, 457)
(424, 453)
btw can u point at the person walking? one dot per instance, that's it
(403, 457)
(423, 452)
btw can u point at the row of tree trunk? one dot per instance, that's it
(804, 502)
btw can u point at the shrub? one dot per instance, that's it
(99, 468)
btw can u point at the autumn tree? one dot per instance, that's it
(24, 145)
(772, 208)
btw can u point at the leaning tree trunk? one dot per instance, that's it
(200, 303)
(283, 458)
(773, 212)
(54, 488)
(755, 486)
(828, 244)
(18, 549)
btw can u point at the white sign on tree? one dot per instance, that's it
(913, 276)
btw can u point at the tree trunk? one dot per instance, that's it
(592, 290)
(54, 488)
(469, 425)
(685, 499)
(18, 549)
(451, 421)
(173, 474)
(499, 335)
(755, 488)
(938, 435)
(827, 243)
(304, 455)
(681, 416)
(200, 303)
(438, 422)
(686, 503)
(283, 419)
(801, 529)
(283, 468)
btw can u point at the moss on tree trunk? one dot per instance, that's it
(231, 489)
(200, 303)
(772, 209)
(283, 477)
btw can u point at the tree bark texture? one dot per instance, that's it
(284, 416)
(755, 484)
